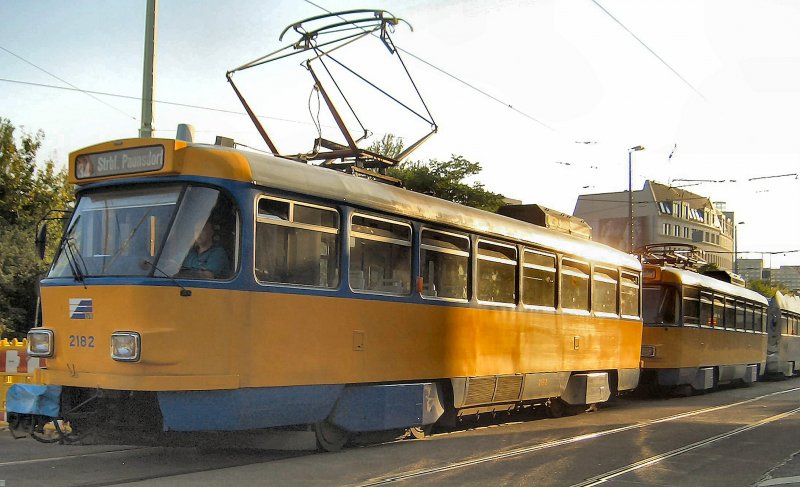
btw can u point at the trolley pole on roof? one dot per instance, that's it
(149, 69)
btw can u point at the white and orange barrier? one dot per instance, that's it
(16, 367)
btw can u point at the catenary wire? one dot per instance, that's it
(85, 92)
(137, 98)
(650, 50)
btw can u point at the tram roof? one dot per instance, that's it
(325, 183)
(692, 278)
(787, 302)
(291, 176)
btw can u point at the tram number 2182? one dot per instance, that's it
(81, 341)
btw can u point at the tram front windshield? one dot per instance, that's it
(661, 305)
(144, 231)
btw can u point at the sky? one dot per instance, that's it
(548, 96)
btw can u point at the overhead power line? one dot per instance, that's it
(85, 92)
(648, 48)
(138, 98)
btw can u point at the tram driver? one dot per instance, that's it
(206, 259)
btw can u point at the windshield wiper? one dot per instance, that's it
(74, 259)
(184, 292)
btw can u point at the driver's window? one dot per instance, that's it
(202, 243)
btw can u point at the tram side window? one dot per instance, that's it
(604, 294)
(629, 295)
(784, 323)
(691, 305)
(730, 313)
(706, 317)
(380, 255)
(759, 318)
(497, 273)
(749, 317)
(297, 244)
(574, 285)
(718, 318)
(444, 264)
(539, 279)
(661, 305)
(740, 313)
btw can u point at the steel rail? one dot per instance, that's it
(414, 474)
(81, 455)
(605, 477)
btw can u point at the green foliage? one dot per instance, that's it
(767, 289)
(27, 192)
(710, 267)
(389, 146)
(442, 179)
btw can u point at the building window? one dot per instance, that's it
(677, 231)
(666, 229)
(686, 232)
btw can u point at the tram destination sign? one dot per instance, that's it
(125, 161)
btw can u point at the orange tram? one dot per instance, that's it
(202, 289)
(783, 349)
(700, 331)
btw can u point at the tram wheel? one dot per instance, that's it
(330, 437)
(556, 407)
(420, 432)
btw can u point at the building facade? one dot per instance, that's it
(661, 214)
(788, 275)
(750, 269)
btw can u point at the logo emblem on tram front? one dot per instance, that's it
(81, 309)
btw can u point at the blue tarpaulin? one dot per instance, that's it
(33, 399)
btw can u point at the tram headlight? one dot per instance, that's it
(125, 346)
(40, 343)
(648, 351)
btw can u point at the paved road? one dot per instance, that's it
(732, 437)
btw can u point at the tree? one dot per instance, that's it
(767, 289)
(442, 179)
(27, 192)
(389, 146)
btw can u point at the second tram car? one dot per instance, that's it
(783, 351)
(332, 303)
(700, 331)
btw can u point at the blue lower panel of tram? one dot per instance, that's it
(353, 408)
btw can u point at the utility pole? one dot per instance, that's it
(630, 197)
(149, 69)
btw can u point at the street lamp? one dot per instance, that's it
(736, 247)
(630, 197)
